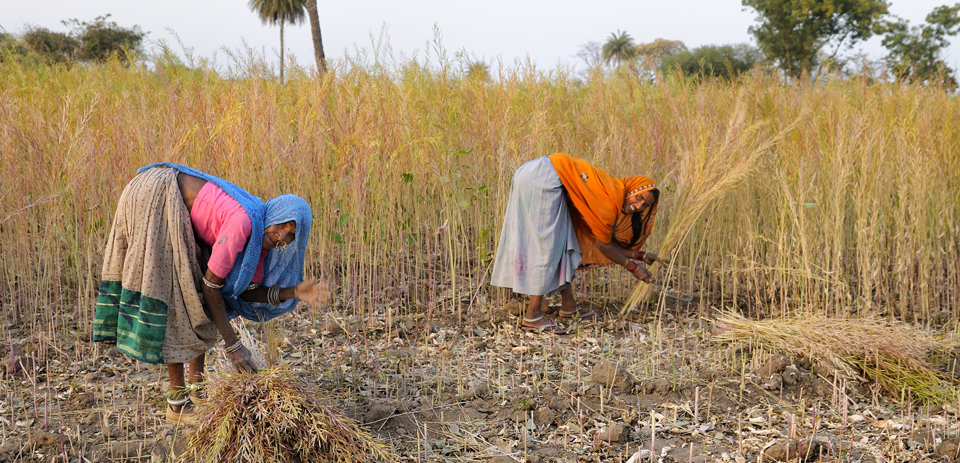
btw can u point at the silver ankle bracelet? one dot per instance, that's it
(178, 402)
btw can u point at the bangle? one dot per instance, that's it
(273, 295)
(632, 266)
(210, 284)
(296, 292)
(641, 255)
(233, 347)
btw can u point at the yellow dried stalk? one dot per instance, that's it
(891, 354)
(274, 416)
(703, 176)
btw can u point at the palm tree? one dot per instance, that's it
(317, 40)
(619, 48)
(280, 12)
(478, 70)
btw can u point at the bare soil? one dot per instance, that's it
(651, 386)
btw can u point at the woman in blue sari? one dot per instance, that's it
(186, 253)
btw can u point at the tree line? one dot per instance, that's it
(100, 39)
(93, 41)
(797, 37)
(800, 38)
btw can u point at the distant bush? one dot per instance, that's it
(724, 61)
(478, 70)
(100, 39)
(56, 47)
(651, 55)
(94, 41)
(10, 47)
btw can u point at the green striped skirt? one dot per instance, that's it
(149, 302)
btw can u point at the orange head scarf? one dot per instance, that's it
(637, 185)
(624, 232)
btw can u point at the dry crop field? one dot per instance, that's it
(815, 228)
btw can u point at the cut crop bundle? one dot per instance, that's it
(275, 416)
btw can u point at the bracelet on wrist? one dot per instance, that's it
(233, 347)
(211, 284)
(632, 266)
(273, 295)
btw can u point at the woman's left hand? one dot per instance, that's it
(649, 258)
(314, 292)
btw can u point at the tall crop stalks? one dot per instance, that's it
(854, 209)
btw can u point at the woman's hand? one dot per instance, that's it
(642, 274)
(242, 360)
(314, 292)
(649, 258)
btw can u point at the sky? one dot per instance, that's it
(547, 33)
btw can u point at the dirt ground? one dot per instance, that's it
(634, 388)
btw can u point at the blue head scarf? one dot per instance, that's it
(283, 268)
(279, 268)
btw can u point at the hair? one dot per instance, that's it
(283, 224)
(639, 221)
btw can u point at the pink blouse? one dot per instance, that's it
(221, 222)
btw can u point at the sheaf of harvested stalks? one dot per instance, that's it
(703, 176)
(891, 354)
(274, 416)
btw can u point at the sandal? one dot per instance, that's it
(198, 395)
(578, 314)
(527, 324)
(187, 414)
(197, 399)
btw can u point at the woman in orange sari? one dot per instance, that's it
(562, 213)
